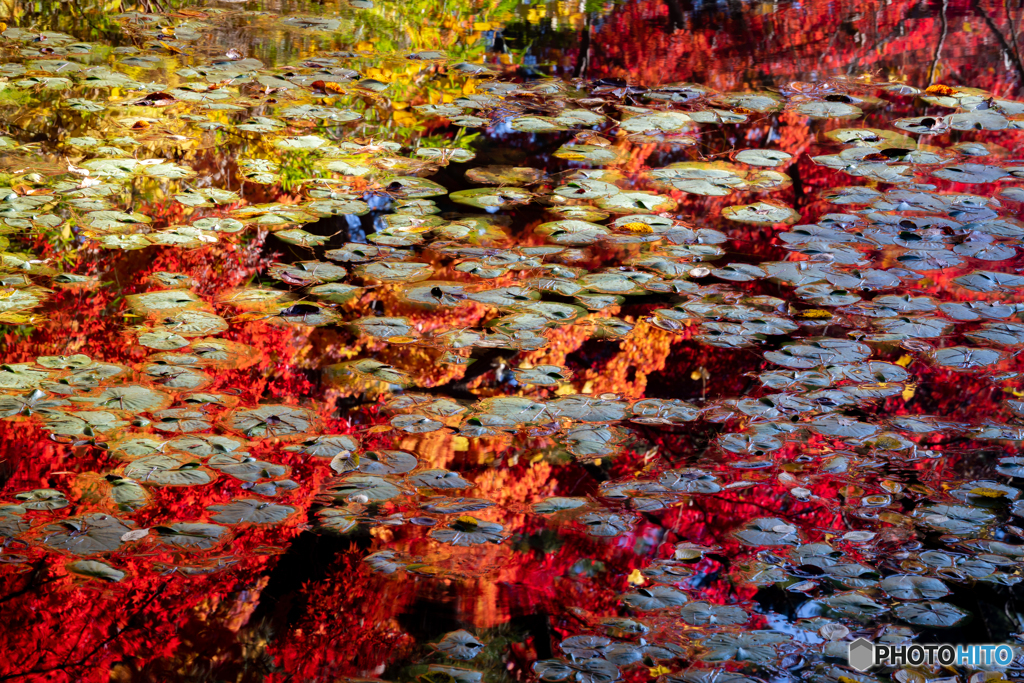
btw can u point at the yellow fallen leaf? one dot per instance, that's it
(904, 360)
(816, 313)
(638, 228)
(887, 442)
(939, 89)
(332, 86)
(170, 48)
(986, 492)
(636, 578)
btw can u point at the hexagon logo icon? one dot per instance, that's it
(862, 654)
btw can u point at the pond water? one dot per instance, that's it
(479, 342)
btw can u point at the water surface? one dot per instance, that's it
(463, 342)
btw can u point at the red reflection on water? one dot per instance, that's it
(320, 612)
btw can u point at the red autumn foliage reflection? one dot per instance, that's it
(281, 603)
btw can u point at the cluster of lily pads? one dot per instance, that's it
(615, 255)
